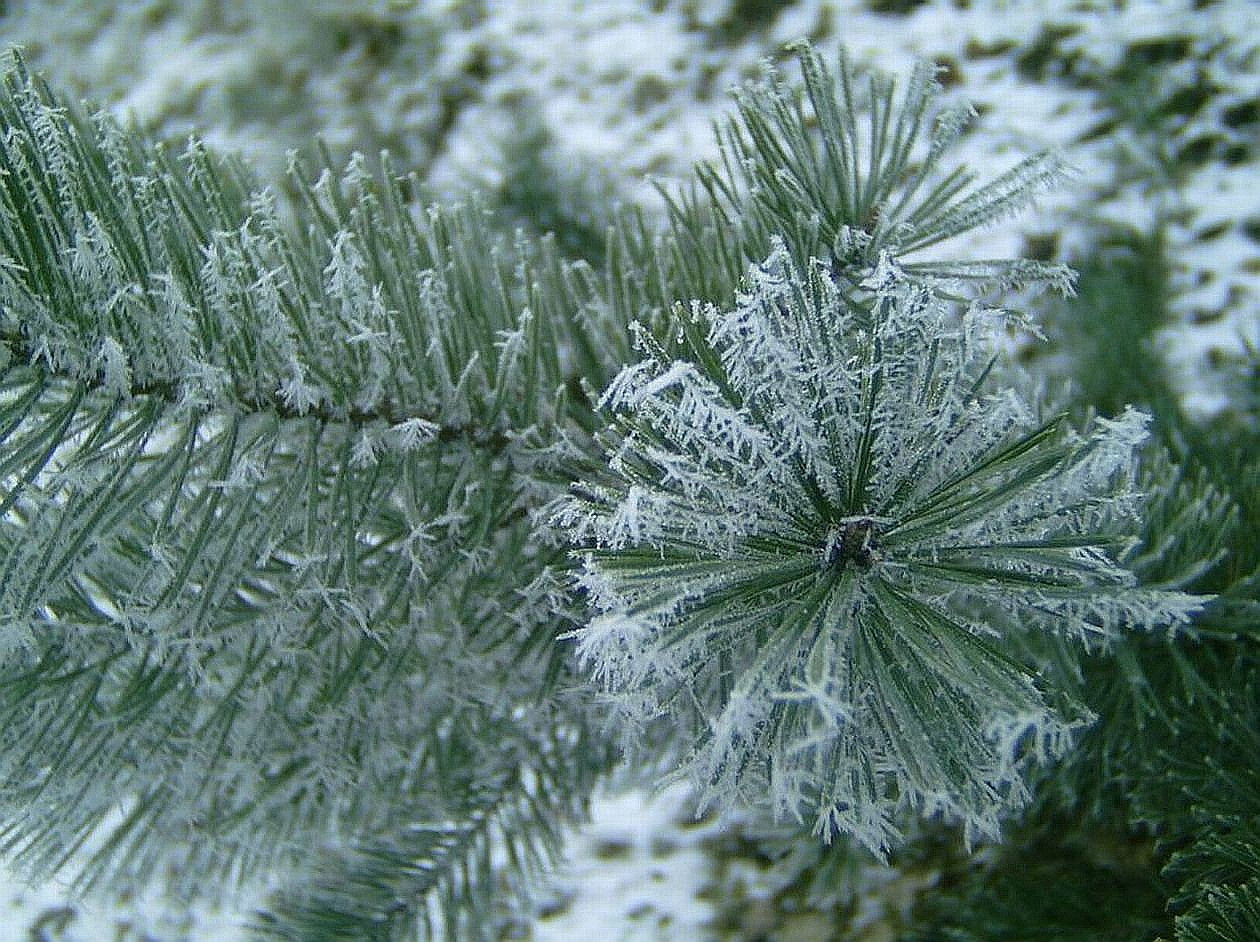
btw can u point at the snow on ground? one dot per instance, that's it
(638, 871)
(632, 87)
(49, 914)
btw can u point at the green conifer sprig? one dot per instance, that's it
(1199, 793)
(819, 535)
(845, 173)
(270, 602)
(692, 557)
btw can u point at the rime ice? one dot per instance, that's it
(826, 533)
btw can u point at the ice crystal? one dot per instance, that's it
(822, 540)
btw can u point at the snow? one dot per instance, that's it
(34, 914)
(637, 873)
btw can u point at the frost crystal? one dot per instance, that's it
(822, 546)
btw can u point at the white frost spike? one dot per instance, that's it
(115, 368)
(610, 646)
(625, 527)
(674, 376)
(367, 447)
(411, 434)
(296, 392)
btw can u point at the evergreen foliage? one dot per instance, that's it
(845, 172)
(817, 537)
(1057, 883)
(318, 523)
(266, 554)
(821, 529)
(1160, 776)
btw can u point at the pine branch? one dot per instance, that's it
(435, 878)
(143, 273)
(799, 164)
(818, 539)
(1201, 796)
(265, 500)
